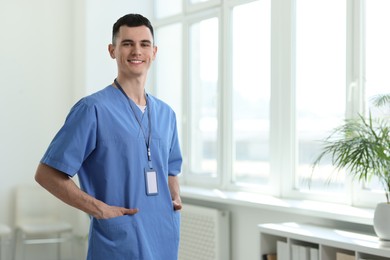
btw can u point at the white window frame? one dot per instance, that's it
(196, 179)
(288, 182)
(227, 176)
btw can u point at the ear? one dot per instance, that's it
(154, 52)
(111, 50)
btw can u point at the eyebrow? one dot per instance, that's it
(131, 41)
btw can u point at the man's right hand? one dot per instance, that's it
(113, 211)
(64, 188)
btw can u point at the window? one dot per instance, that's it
(377, 55)
(258, 83)
(168, 87)
(320, 71)
(377, 52)
(203, 92)
(251, 77)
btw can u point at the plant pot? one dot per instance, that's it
(382, 222)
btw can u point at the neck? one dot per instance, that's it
(134, 90)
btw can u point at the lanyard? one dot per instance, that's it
(139, 121)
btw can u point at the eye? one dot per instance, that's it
(127, 43)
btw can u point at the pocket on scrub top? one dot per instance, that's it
(119, 235)
(117, 228)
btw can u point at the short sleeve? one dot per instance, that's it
(175, 157)
(75, 141)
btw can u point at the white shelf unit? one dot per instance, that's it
(327, 240)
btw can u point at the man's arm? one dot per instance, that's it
(174, 188)
(63, 187)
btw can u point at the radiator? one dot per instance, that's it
(204, 234)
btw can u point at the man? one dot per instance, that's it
(123, 144)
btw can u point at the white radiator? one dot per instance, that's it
(204, 234)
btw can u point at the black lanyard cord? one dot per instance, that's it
(149, 137)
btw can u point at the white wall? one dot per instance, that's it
(35, 86)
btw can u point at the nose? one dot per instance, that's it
(136, 50)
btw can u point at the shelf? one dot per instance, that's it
(328, 241)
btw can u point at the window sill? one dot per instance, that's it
(309, 208)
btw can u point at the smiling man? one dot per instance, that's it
(123, 145)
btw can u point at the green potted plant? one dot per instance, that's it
(361, 146)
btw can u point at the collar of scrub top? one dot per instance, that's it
(149, 137)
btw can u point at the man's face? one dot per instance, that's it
(133, 50)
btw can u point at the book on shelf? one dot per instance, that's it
(282, 251)
(269, 257)
(295, 252)
(314, 253)
(300, 252)
(344, 256)
(304, 253)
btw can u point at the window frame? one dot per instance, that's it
(190, 177)
(289, 189)
(228, 176)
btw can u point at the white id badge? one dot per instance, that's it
(151, 182)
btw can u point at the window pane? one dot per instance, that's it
(251, 91)
(203, 96)
(168, 85)
(377, 51)
(167, 8)
(320, 85)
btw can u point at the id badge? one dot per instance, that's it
(151, 182)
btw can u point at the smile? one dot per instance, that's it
(135, 61)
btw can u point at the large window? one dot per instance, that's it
(203, 93)
(258, 83)
(320, 72)
(169, 84)
(377, 56)
(377, 51)
(251, 77)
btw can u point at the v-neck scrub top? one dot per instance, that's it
(103, 143)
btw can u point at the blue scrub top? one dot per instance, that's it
(102, 142)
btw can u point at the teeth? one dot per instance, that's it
(136, 61)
